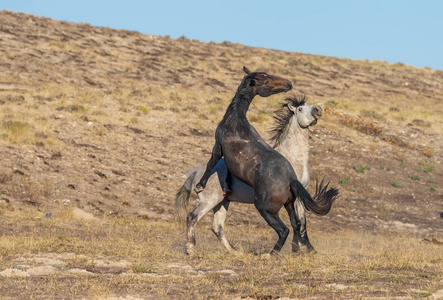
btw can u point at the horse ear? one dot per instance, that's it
(292, 108)
(247, 71)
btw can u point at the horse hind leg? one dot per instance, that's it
(193, 217)
(295, 223)
(218, 225)
(208, 199)
(272, 218)
(303, 239)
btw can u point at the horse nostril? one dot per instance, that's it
(317, 110)
(289, 84)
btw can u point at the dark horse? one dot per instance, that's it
(290, 135)
(252, 160)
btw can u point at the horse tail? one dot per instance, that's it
(182, 199)
(321, 203)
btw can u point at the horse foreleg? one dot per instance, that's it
(215, 157)
(228, 183)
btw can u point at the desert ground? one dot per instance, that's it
(99, 128)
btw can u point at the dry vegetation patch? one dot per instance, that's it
(139, 258)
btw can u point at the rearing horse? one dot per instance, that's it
(252, 160)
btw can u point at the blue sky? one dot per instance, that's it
(404, 31)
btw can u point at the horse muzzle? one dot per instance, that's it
(317, 112)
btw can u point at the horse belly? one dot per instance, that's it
(242, 162)
(241, 192)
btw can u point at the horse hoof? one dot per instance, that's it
(310, 249)
(298, 252)
(227, 192)
(295, 249)
(198, 188)
(190, 250)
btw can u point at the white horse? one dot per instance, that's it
(291, 138)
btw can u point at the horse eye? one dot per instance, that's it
(300, 108)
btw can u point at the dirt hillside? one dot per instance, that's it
(109, 122)
(126, 115)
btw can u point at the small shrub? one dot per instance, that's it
(144, 110)
(429, 168)
(139, 268)
(134, 120)
(421, 123)
(214, 100)
(13, 99)
(361, 169)
(384, 211)
(396, 184)
(431, 180)
(136, 93)
(416, 177)
(372, 114)
(428, 151)
(76, 108)
(203, 116)
(15, 126)
(293, 62)
(190, 108)
(72, 108)
(433, 190)
(98, 113)
(344, 181)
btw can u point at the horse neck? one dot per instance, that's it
(295, 147)
(239, 104)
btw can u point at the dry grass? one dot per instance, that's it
(348, 263)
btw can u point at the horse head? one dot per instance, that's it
(306, 115)
(264, 84)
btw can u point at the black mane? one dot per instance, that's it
(236, 111)
(282, 116)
